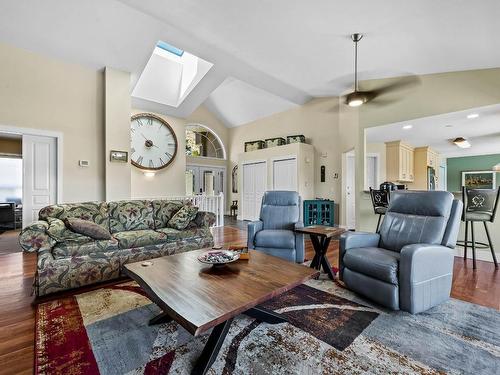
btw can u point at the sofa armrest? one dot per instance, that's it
(353, 240)
(299, 243)
(34, 237)
(205, 219)
(425, 275)
(253, 228)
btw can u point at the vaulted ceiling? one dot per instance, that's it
(290, 50)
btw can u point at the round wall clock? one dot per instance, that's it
(153, 142)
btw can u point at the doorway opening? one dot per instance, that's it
(348, 188)
(11, 184)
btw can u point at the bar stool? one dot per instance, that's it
(480, 205)
(380, 201)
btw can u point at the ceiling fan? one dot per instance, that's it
(359, 97)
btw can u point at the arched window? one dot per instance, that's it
(203, 142)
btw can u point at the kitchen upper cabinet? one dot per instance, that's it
(399, 161)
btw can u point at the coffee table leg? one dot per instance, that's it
(212, 347)
(265, 315)
(320, 258)
(159, 319)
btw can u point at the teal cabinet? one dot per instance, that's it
(319, 212)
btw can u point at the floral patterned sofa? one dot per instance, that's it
(139, 231)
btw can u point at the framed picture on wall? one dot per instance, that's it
(479, 179)
(118, 156)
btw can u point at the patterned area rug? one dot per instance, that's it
(330, 331)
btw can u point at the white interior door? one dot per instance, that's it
(39, 175)
(285, 174)
(247, 192)
(350, 191)
(254, 181)
(260, 187)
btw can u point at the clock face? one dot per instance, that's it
(153, 142)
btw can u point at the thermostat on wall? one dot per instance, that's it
(83, 163)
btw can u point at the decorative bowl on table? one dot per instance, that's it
(218, 257)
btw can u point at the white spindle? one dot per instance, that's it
(214, 204)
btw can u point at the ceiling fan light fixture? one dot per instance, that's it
(356, 98)
(461, 142)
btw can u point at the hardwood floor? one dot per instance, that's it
(17, 314)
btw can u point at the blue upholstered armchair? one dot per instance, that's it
(408, 265)
(274, 233)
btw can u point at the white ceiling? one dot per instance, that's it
(236, 103)
(482, 132)
(294, 50)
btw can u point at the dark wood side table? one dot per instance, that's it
(321, 235)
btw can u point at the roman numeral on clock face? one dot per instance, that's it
(139, 160)
(149, 121)
(151, 164)
(169, 155)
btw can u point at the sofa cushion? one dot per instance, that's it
(378, 263)
(277, 238)
(130, 215)
(58, 231)
(175, 234)
(183, 217)
(70, 248)
(93, 211)
(164, 210)
(139, 238)
(87, 228)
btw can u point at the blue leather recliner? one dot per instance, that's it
(408, 265)
(274, 233)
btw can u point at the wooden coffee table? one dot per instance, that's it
(321, 235)
(200, 297)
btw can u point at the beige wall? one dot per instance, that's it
(117, 133)
(318, 121)
(42, 93)
(11, 146)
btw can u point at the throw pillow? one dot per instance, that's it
(58, 231)
(183, 217)
(87, 228)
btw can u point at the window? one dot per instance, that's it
(202, 142)
(11, 183)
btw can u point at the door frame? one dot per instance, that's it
(375, 155)
(241, 182)
(286, 157)
(343, 209)
(59, 151)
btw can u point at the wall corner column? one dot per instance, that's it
(117, 104)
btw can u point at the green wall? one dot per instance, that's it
(469, 163)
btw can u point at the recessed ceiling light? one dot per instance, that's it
(406, 127)
(473, 115)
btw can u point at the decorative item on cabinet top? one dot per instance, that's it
(254, 145)
(295, 139)
(273, 142)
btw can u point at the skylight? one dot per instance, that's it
(169, 48)
(170, 75)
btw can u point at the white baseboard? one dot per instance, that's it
(481, 254)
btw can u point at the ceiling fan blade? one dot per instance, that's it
(402, 83)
